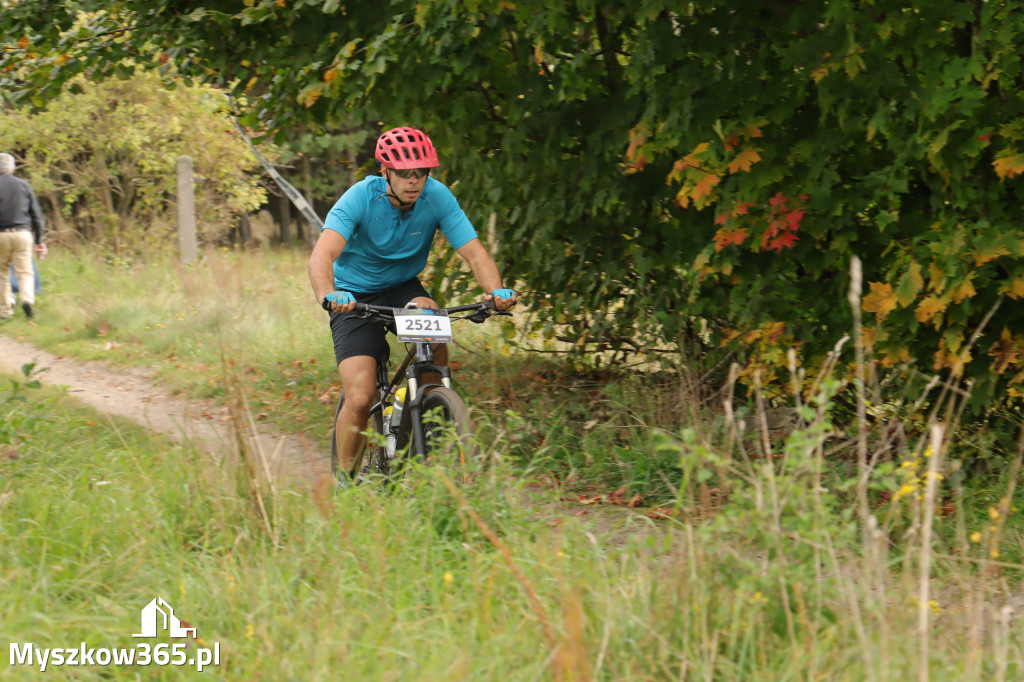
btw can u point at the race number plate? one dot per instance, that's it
(423, 324)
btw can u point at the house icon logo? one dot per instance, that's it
(157, 615)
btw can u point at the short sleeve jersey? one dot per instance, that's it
(384, 246)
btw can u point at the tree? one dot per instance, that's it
(104, 155)
(653, 163)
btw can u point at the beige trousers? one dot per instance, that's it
(16, 247)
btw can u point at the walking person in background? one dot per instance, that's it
(16, 286)
(21, 226)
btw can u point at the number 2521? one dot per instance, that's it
(423, 325)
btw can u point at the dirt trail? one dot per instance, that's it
(130, 393)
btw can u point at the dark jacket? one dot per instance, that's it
(19, 206)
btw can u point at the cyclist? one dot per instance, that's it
(372, 249)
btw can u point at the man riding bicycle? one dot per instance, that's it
(372, 249)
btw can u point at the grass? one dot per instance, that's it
(765, 568)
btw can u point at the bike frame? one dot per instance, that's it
(418, 361)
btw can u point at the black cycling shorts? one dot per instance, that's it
(356, 336)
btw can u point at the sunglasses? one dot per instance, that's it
(411, 172)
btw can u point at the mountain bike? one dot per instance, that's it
(434, 420)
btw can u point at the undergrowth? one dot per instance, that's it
(750, 540)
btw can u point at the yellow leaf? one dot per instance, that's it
(309, 96)
(868, 337)
(880, 301)
(744, 160)
(683, 198)
(949, 358)
(1014, 288)
(929, 307)
(691, 159)
(1008, 166)
(937, 277)
(965, 290)
(990, 253)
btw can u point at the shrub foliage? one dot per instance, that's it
(653, 164)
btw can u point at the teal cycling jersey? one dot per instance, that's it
(384, 246)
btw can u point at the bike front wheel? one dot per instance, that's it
(449, 434)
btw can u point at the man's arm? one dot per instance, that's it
(321, 267)
(486, 271)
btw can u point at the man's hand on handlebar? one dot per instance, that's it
(338, 302)
(503, 298)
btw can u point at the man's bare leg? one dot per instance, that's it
(358, 381)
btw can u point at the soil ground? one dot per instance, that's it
(131, 394)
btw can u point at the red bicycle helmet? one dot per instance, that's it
(406, 147)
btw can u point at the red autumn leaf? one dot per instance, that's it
(721, 219)
(774, 228)
(724, 237)
(778, 200)
(793, 219)
(786, 240)
(730, 142)
(744, 208)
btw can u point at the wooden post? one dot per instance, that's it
(186, 211)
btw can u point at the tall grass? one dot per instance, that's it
(475, 582)
(778, 554)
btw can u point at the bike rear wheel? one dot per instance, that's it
(373, 459)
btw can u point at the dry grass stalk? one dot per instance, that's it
(924, 592)
(250, 453)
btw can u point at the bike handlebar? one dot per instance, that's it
(387, 312)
